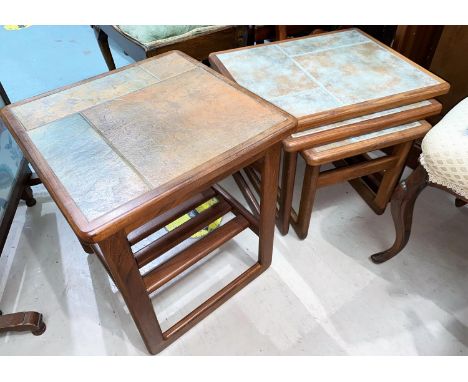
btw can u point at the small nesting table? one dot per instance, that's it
(125, 153)
(348, 91)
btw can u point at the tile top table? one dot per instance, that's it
(126, 153)
(338, 85)
(329, 77)
(113, 143)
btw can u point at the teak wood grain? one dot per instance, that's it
(171, 128)
(362, 127)
(391, 166)
(314, 158)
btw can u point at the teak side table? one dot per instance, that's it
(125, 153)
(339, 85)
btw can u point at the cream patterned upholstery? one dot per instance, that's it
(445, 150)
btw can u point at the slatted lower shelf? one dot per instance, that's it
(179, 263)
(169, 216)
(181, 233)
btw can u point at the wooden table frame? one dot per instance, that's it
(123, 265)
(373, 178)
(111, 235)
(292, 146)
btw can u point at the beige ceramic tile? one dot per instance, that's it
(55, 106)
(172, 127)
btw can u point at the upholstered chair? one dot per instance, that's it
(143, 41)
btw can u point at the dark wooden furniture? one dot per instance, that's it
(373, 178)
(402, 207)
(449, 63)
(443, 164)
(151, 140)
(417, 42)
(198, 46)
(324, 80)
(17, 187)
(260, 33)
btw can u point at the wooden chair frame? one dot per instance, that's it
(198, 47)
(402, 206)
(21, 321)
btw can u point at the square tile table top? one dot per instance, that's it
(120, 142)
(329, 77)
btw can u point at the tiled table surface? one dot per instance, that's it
(87, 133)
(346, 89)
(337, 71)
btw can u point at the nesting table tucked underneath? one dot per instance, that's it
(125, 153)
(339, 85)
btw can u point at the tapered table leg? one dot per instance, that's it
(268, 197)
(287, 191)
(124, 270)
(309, 188)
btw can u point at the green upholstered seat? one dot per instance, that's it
(150, 35)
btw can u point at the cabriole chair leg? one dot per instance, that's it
(402, 206)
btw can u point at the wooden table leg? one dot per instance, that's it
(121, 263)
(403, 201)
(124, 270)
(309, 188)
(268, 198)
(287, 191)
(391, 176)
